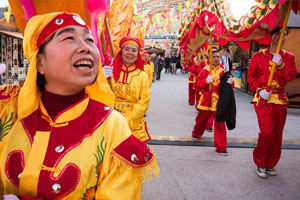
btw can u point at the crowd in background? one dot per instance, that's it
(169, 62)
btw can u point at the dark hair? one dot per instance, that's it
(215, 51)
(40, 79)
(278, 30)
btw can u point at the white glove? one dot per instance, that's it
(264, 94)
(107, 71)
(229, 81)
(2, 68)
(209, 79)
(10, 197)
(277, 59)
(206, 67)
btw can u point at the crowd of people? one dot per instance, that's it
(77, 129)
(171, 63)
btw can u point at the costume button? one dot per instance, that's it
(59, 21)
(147, 157)
(134, 158)
(106, 108)
(59, 148)
(56, 188)
(19, 176)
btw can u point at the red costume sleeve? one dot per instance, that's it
(291, 71)
(201, 79)
(252, 73)
(190, 68)
(259, 70)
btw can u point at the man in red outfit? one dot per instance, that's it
(194, 92)
(208, 102)
(270, 103)
(193, 68)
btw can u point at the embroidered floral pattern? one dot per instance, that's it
(99, 156)
(89, 193)
(5, 126)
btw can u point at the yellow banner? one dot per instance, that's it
(7, 15)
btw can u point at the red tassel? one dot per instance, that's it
(28, 8)
(97, 6)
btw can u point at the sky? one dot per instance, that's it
(240, 7)
(237, 7)
(3, 3)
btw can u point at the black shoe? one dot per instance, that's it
(191, 104)
(195, 138)
(209, 130)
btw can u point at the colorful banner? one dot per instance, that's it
(212, 16)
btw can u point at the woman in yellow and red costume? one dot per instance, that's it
(270, 103)
(208, 101)
(60, 138)
(130, 85)
(148, 66)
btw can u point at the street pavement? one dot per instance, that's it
(198, 172)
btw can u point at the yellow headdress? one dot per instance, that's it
(42, 26)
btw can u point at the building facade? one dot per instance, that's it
(161, 20)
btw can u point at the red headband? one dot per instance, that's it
(131, 39)
(59, 22)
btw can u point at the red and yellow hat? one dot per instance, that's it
(38, 29)
(117, 64)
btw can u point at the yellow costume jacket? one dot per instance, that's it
(132, 96)
(86, 152)
(148, 68)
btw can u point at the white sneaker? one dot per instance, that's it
(271, 171)
(261, 172)
(223, 153)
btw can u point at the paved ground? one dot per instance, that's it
(197, 172)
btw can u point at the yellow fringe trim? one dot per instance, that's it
(138, 175)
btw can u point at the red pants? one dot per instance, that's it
(191, 94)
(271, 119)
(197, 97)
(210, 122)
(220, 139)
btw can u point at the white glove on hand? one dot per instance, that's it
(209, 79)
(2, 68)
(107, 71)
(229, 81)
(10, 197)
(277, 59)
(206, 67)
(264, 94)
